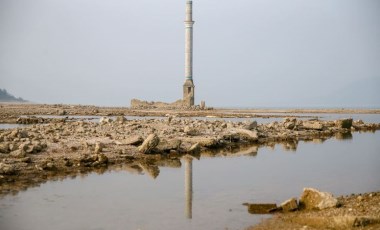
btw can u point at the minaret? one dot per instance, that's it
(188, 86)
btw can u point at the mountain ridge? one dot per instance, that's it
(7, 97)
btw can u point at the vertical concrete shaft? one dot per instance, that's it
(188, 86)
(189, 41)
(189, 187)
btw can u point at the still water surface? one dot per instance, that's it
(371, 118)
(123, 200)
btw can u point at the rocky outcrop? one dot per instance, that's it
(190, 131)
(289, 123)
(133, 140)
(313, 199)
(167, 145)
(194, 149)
(99, 147)
(121, 119)
(315, 125)
(4, 147)
(94, 160)
(247, 134)
(7, 169)
(261, 208)
(149, 144)
(289, 205)
(30, 120)
(105, 120)
(344, 123)
(250, 125)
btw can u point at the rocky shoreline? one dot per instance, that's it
(62, 145)
(321, 210)
(9, 113)
(53, 148)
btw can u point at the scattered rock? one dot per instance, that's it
(344, 123)
(364, 221)
(94, 160)
(194, 149)
(19, 134)
(134, 140)
(121, 119)
(315, 125)
(272, 125)
(170, 118)
(67, 162)
(18, 153)
(50, 166)
(99, 147)
(250, 125)
(289, 205)
(190, 131)
(261, 208)
(31, 148)
(62, 112)
(207, 142)
(7, 169)
(167, 145)
(80, 129)
(4, 148)
(313, 199)
(105, 120)
(102, 159)
(247, 134)
(290, 123)
(149, 144)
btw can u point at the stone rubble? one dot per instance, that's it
(65, 144)
(313, 199)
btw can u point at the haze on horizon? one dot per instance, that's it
(247, 53)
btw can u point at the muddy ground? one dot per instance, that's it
(57, 147)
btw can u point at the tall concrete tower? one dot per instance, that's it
(188, 86)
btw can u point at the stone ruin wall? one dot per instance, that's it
(179, 104)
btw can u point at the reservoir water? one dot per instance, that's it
(205, 193)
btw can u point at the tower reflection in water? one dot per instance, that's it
(188, 186)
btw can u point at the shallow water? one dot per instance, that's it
(124, 200)
(371, 118)
(11, 126)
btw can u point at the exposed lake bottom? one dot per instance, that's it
(203, 194)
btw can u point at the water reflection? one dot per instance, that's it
(151, 169)
(290, 145)
(224, 179)
(12, 126)
(188, 186)
(343, 136)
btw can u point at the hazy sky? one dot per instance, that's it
(271, 53)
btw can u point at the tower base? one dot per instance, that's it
(188, 93)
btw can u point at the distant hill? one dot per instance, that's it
(7, 97)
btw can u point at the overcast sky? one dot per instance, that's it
(247, 53)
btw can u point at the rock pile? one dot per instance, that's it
(311, 199)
